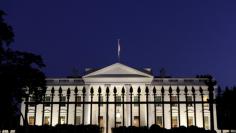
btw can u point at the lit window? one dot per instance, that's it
(46, 120)
(101, 121)
(78, 120)
(205, 99)
(206, 122)
(159, 121)
(190, 121)
(31, 120)
(174, 121)
(136, 121)
(62, 119)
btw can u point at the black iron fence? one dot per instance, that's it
(112, 92)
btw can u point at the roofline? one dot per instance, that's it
(88, 74)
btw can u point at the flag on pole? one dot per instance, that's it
(118, 50)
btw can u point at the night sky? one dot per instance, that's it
(185, 37)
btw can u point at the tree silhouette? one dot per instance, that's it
(226, 108)
(20, 76)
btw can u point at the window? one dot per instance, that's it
(31, 120)
(136, 121)
(206, 122)
(78, 99)
(174, 121)
(174, 99)
(159, 121)
(205, 99)
(158, 99)
(189, 100)
(47, 99)
(62, 119)
(101, 121)
(77, 120)
(118, 99)
(63, 99)
(136, 100)
(190, 121)
(46, 120)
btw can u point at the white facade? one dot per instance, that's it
(121, 76)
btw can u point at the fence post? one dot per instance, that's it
(147, 91)
(170, 94)
(186, 102)
(43, 109)
(35, 112)
(178, 91)
(59, 112)
(67, 110)
(194, 106)
(131, 106)
(52, 96)
(76, 96)
(107, 108)
(123, 105)
(139, 91)
(91, 105)
(83, 91)
(163, 107)
(155, 109)
(99, 102)
(115, 91)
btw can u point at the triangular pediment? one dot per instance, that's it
(118, 70)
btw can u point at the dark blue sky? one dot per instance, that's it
(186, 37)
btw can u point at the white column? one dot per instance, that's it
(87, 106)
(127, 106)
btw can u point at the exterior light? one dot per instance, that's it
(118, 115)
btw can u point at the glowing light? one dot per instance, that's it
(118, 115)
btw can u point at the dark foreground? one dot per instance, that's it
(95, 129)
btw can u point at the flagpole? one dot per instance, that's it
(118, 50)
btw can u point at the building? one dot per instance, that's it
(119, 95)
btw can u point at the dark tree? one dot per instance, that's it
(226, 108)
(21, 76)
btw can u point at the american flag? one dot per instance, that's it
(119, 49)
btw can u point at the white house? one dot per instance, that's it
(119, 95)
